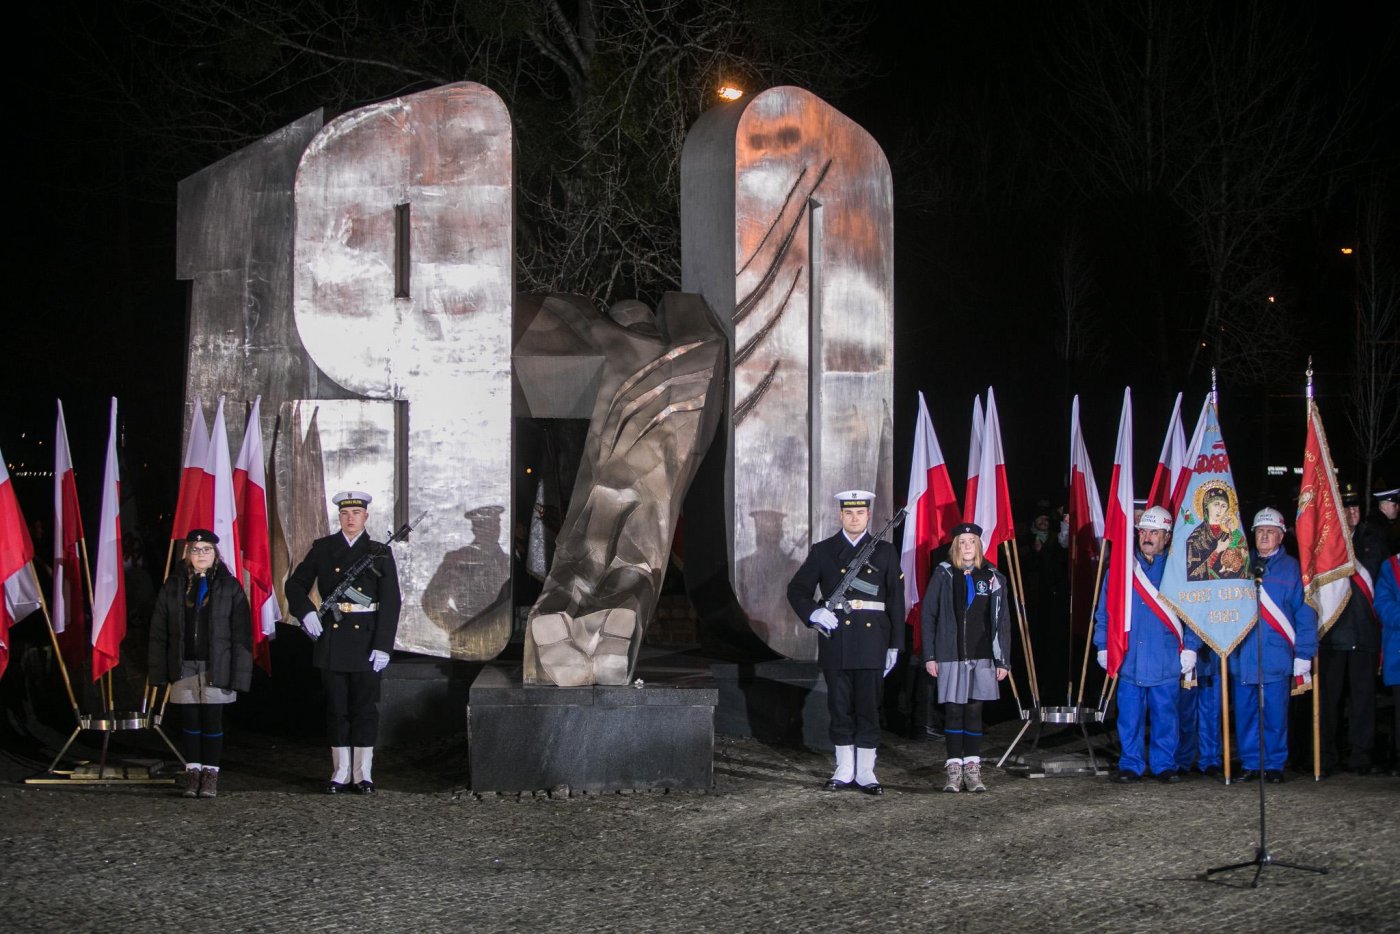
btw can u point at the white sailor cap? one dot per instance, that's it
(855, 499)
(1392, 496)
(346, 499)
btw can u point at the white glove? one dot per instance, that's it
(823, 618)
(1103, 659)
(311, 623)
(1302, 667)
(891, 656)
(1188, 661)
(378, 660)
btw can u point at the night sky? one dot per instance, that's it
(969, 106)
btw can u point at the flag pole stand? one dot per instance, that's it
(1039, 715)
(1262, 857)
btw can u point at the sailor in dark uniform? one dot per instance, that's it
(860, 645)
(352, 648)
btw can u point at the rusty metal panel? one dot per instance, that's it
(787, 231)
(442, 352)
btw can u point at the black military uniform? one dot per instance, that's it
(343, 649)
(854, 657)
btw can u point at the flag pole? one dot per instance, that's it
(1018, 591)
(1225, 715)
(1317, 685)
(1089, 636)
(1316, 724)
(53, 637)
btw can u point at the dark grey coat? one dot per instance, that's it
(945, 613)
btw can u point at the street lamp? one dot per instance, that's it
(728, 92)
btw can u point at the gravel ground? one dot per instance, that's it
(764, 850)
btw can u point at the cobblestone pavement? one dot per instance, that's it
(765, 850)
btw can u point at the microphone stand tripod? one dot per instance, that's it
(1262, 856)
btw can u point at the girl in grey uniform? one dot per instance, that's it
(966, 638)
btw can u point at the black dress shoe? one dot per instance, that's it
(1247, 775)
(1169, 777)
(872, 789)
(364, 788)
(833, 785)
(335, 788)
(1273, 776)
(1127, 778)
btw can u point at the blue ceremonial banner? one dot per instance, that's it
(1207, 580)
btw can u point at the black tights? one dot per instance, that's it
(201, 732)
(964, 729)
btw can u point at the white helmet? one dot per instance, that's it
(1269, 516)
(1157, 519)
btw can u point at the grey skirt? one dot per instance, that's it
(959, 682)
(194, 687)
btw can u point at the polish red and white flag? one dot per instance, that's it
(1193, 451)
(974, 460)
(250, 500)
(993, 511)
(1085, 525)
(109, 587)
(1118, 537)
(933, 511)
(67, 535)
(16, 551)
(1170, 463)
(188, 514)
(218, 492)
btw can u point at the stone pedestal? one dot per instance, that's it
(595, 739)
(780, 701)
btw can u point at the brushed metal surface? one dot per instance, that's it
(659, 385)
(442, 352)
(787, 231)
(234, 245)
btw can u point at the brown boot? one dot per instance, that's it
(209, 786)
(189, 783)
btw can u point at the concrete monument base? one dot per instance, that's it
(596, 738)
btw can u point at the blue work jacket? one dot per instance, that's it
(1154, 655)
(1283, 580)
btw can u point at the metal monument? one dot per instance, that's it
(787, 230)
(652, 385)
(360, 276)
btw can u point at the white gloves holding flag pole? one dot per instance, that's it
(311, 624)
(1302, 670)
(1188, 661)
(891, 656)
(823, 619)
(1103, 659)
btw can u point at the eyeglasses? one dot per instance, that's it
(202, 550)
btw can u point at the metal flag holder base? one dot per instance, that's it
(141, 771)
(1036, 764)
(1262, 857)
(130, 772)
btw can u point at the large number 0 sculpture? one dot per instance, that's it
(359, 276)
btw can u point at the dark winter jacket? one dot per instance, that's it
(230, 632)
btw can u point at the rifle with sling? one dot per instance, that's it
(837, 602)
(346, 591)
